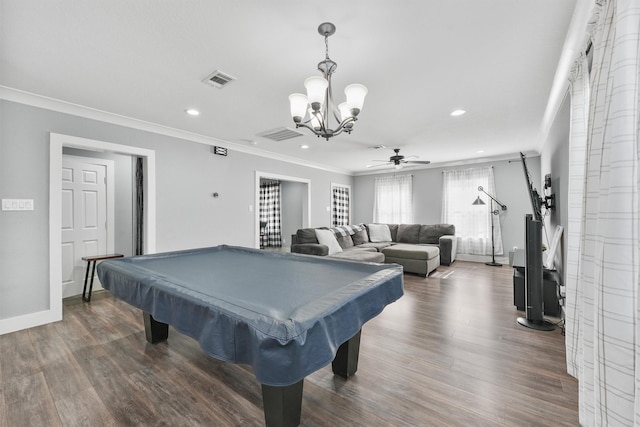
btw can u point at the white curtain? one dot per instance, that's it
(579, 89)
(603, 321)
(472, 222)
(393, 202)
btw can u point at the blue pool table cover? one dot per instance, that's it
(284, 314)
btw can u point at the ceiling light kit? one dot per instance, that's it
(314, 109)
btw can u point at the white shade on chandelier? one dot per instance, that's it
(314, 109)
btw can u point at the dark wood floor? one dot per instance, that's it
(448, 353)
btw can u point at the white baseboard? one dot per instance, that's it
(31, 320)
(481, 258)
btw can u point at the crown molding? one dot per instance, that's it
(574, 43)
(40, 101)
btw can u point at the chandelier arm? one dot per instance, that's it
(320, 118)
(305, 125)
(346, 121)
(338, 131)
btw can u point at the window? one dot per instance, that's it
(393, 202)
(472, 222)
(340, 205)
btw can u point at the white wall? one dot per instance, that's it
(511, 189)
(293, 197)
(187, 214)
(555, 160)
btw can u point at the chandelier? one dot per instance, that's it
(313, 110)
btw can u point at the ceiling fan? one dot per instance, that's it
(398, 161)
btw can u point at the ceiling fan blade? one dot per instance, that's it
(377, 166)
(418, 162)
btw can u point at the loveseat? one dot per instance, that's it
(419, 248)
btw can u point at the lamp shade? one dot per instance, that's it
(299, 105)
(344, 111)
(355, 96)
(316, 90)
(478, 201)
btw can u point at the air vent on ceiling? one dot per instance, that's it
(280, 134)
(218, 79)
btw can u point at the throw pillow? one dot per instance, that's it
(379, 233)
(360, 237)
(408, 233)
(327, 238)
(344, 241)
(307, 235)
(394, 232)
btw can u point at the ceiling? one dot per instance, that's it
(420, 59)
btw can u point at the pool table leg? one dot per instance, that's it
(154, 331)
(282, 405)
(345, 363)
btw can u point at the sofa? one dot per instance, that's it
(419, 248)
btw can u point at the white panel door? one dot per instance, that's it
(84, 219)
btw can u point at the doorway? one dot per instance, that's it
(87, 216)
(57, 143)
(292, 186)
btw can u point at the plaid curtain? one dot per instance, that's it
(270, 234)
(603, 256)
(139, 208)
(340, 202)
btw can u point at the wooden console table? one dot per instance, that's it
(93, 259)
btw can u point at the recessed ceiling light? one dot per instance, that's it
(192, 112)
(456, 113)
(304, 147)
(479, 151)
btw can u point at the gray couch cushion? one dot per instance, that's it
(393, 228)
(357, 255)
(345, 242)
(411, 252)
(376, 246)
(360, 237)
(408, 233)
(307, 235)
(310, 249)
(431, 233)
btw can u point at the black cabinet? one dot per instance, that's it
(550, 287)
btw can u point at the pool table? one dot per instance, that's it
(287, 315)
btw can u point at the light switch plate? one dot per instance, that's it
(17, 204)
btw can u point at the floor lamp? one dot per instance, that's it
(492, 212)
